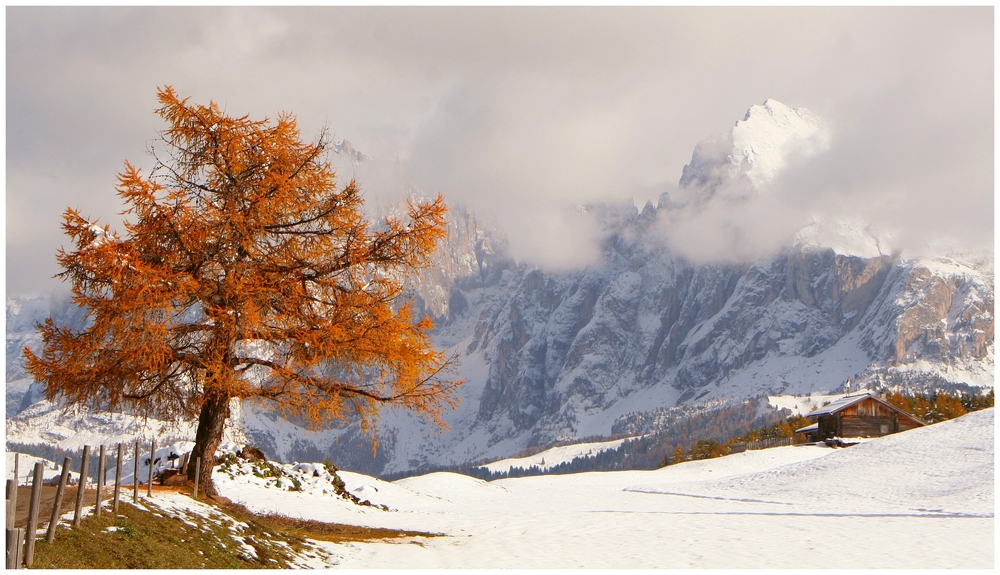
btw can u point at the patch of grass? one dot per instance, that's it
(142, 540)
(148, 537)
(310, 529)
(125, 528)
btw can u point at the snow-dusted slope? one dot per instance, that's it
(793, 507)
(75, 427)
(26, 467)
(22, 315)
(944, 469)
(552, 457)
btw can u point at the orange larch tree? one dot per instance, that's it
(246, 272)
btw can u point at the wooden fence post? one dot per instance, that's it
(197, 475)
(13, 498)
(118, 477)
(11, 510)
(14, 536)
(135, 474)
(102, 461)
(81, 486)
(184, 463)
(15, 543)
(152, 456)
(63, 479)
(36, 499)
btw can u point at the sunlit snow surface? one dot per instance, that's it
(919, 499)
(552, 457)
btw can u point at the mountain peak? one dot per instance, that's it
(770, 133)
(742, 161)
(769, 107)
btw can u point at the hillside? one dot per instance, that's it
(759, 509)
(170, 529)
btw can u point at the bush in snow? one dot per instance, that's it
(302, 477)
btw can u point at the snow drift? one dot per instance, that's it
(866, 506)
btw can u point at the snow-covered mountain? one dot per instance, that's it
(22, 315)
(556, 356)
(739, 162)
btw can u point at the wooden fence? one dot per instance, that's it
(761, 444)
(21, 541)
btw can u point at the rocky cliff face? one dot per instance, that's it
(568, 352)
(555, 356)
(942, 313)
(473, 255)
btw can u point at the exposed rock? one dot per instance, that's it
(251, 453)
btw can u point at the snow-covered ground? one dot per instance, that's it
(26, 469)
(552, 457)
(919, 499)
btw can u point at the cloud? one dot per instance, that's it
(920, 165)
(523, 112)
(909, 153)
(730, 232)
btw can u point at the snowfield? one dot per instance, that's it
(553, 457)
(918, 499)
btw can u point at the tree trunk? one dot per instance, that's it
(211, 422)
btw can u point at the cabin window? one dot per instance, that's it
(884, 428)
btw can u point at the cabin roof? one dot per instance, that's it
(808, 428)
(841, 404)
(849, 400)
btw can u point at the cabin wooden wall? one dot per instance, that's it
(855, 426)
(905, 423)
(827, 427)
(868, 418)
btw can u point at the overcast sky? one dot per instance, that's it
(522, 112)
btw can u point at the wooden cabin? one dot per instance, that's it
(858, 415)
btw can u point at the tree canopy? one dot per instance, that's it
(245, 271)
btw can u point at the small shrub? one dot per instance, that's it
(226, 462)
(339, 484)
(264, 469)
(330, 467)
(125, 528)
